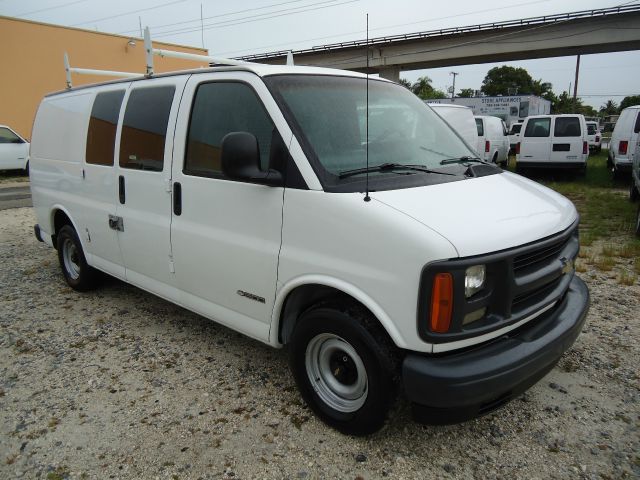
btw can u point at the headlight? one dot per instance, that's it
(474, 280)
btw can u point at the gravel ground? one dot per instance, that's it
(117, 383)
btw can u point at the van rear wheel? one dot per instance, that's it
(638, 222)
(633, 192)
(77, 272)
(344, 367)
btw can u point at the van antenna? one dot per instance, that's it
(367, 198)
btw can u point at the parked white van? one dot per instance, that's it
(14, 150)
(594, 137)
(514, 135)
(634, 188)
(553, 141)
(245, 194)
(493, 142)
(461, 119)
(624, 140)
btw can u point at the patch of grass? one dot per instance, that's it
(626, 278)
(605, 211)
(580, 267)
(636, 265)
(604, 264)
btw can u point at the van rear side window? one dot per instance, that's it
(101, 135)
(144, 128)
(567, 127)
(538, 127)
(220, 108)
(480, 127)
(636, 129)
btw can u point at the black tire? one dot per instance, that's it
(350, 342)
(77, 273)
(634, 195)
(26, 169)
(638, 222)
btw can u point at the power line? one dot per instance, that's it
(255, 18)
(219, 16)
(50, 8)
(155, 7)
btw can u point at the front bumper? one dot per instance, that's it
(459, 386)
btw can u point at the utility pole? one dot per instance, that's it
(575, 85)
(453, 89)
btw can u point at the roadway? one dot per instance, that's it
(15, 196)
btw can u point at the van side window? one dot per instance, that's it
(220, 108)
(567, 127)
(144, 128)
(7, 136)
(636, 129)
(480, 127)
(101, 134)
(538, 127)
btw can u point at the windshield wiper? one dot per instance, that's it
(464, 159)
(390, 166)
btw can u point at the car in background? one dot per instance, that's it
(514, 135)
(553, 141)
(594, 137)
(14, 150)
(493, 142)
(461, 119)
(624, 141)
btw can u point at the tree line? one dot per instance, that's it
(508, 80)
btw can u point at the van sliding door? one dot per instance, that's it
(144, 179)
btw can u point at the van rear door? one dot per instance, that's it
(535, 145)
(567, 143)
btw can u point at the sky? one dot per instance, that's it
(254, 26)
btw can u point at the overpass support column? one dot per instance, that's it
(390, 73)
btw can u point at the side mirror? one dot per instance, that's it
(240, 158)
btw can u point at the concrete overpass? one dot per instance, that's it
(592, 31)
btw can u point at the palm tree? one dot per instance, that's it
(423, 88)
(609, 108)
(405, 83)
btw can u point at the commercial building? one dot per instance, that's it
(32, 63)
(509, 108)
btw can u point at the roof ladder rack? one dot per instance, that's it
(91, 71)
(150, 52)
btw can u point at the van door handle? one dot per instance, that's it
(121, 193)
(177, 198)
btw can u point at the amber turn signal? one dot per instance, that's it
(441, 302)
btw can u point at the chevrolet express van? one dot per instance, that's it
(460, 118)
(553, 141)
(253, 196)
(624, 141)
(493, 142)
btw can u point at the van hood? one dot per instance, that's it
(485, 214)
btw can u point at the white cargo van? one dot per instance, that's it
(594, 137)
(460, 119)
(624, 140)
(553, 141)
(493, 142)
(634, 188)
(514, 136)
(245, 194)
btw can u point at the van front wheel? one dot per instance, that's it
(345, 371)
(77, 272)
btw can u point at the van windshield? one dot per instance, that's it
(329, 117)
